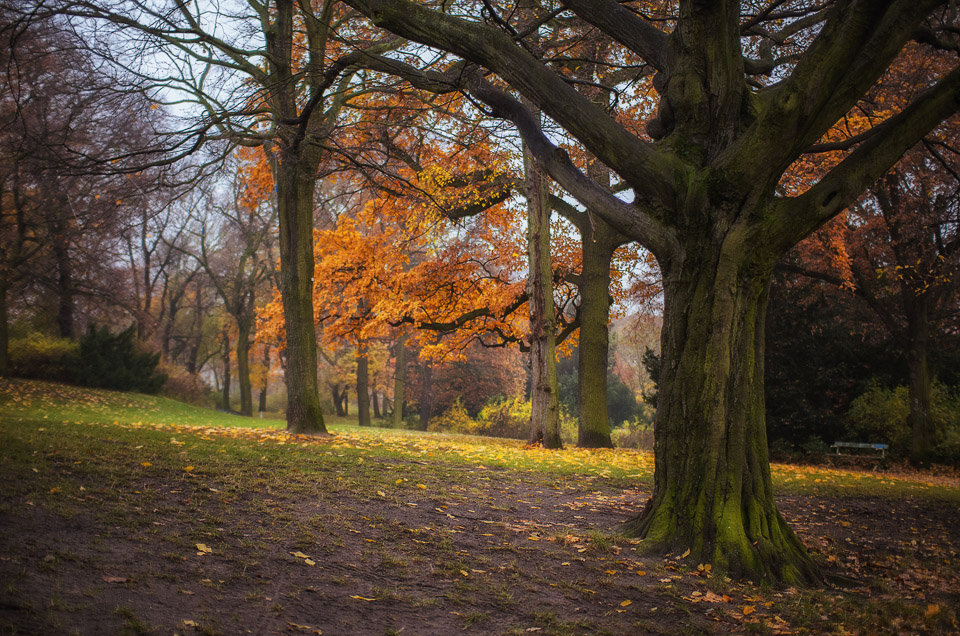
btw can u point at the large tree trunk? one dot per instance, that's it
(545, 404)
(244, 325)
(594, 422)
(712, 488)
(426, 395)
(399, 379)
(363, 385)
(295, 180)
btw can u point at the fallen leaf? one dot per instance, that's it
(189, 623)
(204, 548)
(300, 555)
(146, 464)
(421, 487)
(309, 561)
(932, 610)
(748, 610)
(625, 603)
(685, 554)
(114, 579)
(610, 571)
(641, 573)
(362, 598)
(306, 628)
(188, 468)
(380, 492)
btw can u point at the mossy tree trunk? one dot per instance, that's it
(295, 180)
(712, 491)
(545, 403)
(363, 385)
(599, 242)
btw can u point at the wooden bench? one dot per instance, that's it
(860, 446)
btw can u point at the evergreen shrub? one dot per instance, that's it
(109, 361)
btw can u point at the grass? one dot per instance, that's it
(50, 406)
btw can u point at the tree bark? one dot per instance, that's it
(225, 397)
(594, 347)
(65, 286)
(337, 400)
(920, 419)
(545, 404)
(244, 326)
(295, 180)
(399, 378)
(262, 405)
(4, 333)
(426, 395)
(712, 487)
(363, 385)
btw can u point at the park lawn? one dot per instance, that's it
(138, 515)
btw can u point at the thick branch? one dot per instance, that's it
(842, 185)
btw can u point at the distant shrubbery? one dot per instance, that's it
(109, 361)
(501, 417)
(185, 386)
(41, 357)
(880, 415)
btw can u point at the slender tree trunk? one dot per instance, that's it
(345, 400)
(399, 379)
(4, 332)
(337, 400)
(262, 405)
(194, 352)
(363, 385)
(244, 326)
(545, 404)
(593, 351)
(65, 290)
(225, 398)
(295, 181)
(376, 405)
(920, 418)
(426, 395)
(712, 488)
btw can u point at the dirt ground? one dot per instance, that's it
(496, 552)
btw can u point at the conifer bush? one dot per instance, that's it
(109, 361)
